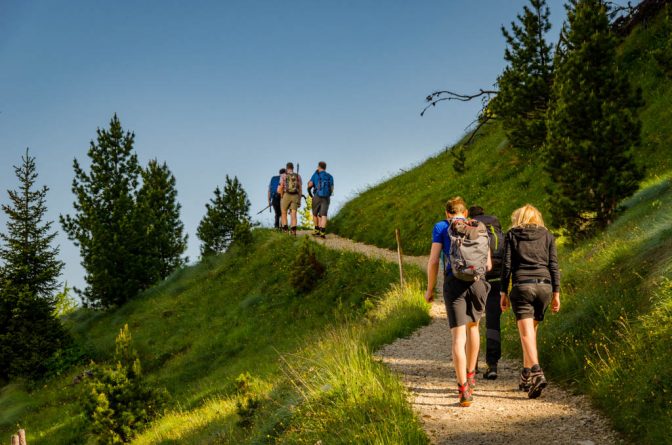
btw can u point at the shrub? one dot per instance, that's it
(306, 270)
(121, 403)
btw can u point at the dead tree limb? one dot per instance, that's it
(440, 96)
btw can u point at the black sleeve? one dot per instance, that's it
(506, 263)
(553, 263)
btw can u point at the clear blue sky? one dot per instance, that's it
(240, 88)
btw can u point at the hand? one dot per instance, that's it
(555, 303)
(503, 302)
(429, 295)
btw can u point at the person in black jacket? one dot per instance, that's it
(531, 263)
(493, 311)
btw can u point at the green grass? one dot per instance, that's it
(233, 315)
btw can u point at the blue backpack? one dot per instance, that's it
(273, 186)
(325, 185)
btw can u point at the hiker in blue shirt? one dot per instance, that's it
(274, 197)
(323, 185)
(465, 288)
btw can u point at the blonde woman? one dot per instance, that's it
(531, 263)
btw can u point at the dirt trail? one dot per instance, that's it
(500, 414)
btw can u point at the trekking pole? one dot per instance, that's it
(397, 234)
(267, 207)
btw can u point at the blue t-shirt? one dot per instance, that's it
(316, 181)
(440, 235)
(273, 186)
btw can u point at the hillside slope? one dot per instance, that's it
(232, 329)
(499, 178)
(611, 339)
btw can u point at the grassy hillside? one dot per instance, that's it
(612, 337)
(499, 178)
(232, 329)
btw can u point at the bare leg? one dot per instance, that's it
(459, 335)
(323, 222)
(473, 345)
(528, 339)
(284, 217)
(293, 218)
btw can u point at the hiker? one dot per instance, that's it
(493, 311)
(465, 246)
(323, 184)
(290, 197)
(531, 263)
(274, 197)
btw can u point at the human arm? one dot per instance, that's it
(281, 184)
(433, 270)
(488, 264)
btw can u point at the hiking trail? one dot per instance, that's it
(500, 414)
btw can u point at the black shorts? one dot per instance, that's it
(530, 300)
(465, 300)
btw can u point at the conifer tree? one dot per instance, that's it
(227, 218)
(105, 224)
(593, 125)
(29, 331)
(525, 84)
(159, 213)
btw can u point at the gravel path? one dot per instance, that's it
(500, 413)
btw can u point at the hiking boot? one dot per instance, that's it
(524, 384)
(285, 229)
(293, 230)
(316, 231)
(537, 382)
(490, 372)
(466, 394)
(471, 379)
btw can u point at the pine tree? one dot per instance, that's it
(525, 84)
(29, 332)
(227, 219)
(105, 225)
(592, 124)
(159, 213)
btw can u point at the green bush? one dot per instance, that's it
(121, 403)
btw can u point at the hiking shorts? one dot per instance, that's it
(320, 205)
(290, 201)
(530, 300)
(465, 300)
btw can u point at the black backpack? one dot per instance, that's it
(496, 237)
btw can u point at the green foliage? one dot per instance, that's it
(593, 126)
(64, 303)
(525, 84)
(306, 213)
(159, 213)
(306, 270)
(459, 155)
(121, 402)
(200, 329)
(29, 332)
(611, 338)
(663, 53)
(105, 225)
(227, 219)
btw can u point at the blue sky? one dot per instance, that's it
(240, 88)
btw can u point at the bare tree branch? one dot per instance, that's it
(440, 96)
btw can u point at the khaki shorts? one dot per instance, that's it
(290, 201)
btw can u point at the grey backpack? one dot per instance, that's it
(469, 247)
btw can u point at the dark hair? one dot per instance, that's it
(283, 171)
(290, 166)
(456, 205)
(476, 211)
(322, 165)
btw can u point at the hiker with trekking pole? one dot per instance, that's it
(465, 245)
(274, 197)
(531, 264)
(289, 189)
(323, 185)
(493, 310)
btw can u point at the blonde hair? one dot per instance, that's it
(527, 215)
(456, 205)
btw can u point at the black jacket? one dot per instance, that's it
(529, 253)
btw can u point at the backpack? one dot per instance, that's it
(292, 183)
(273, 186)
(325, 184)
(469, 245)
(496, 240)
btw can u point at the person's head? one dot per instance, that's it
(527, 215)
(290, 166)
(476, 211)
(456, 207)
(283, 171)
(321, 165)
